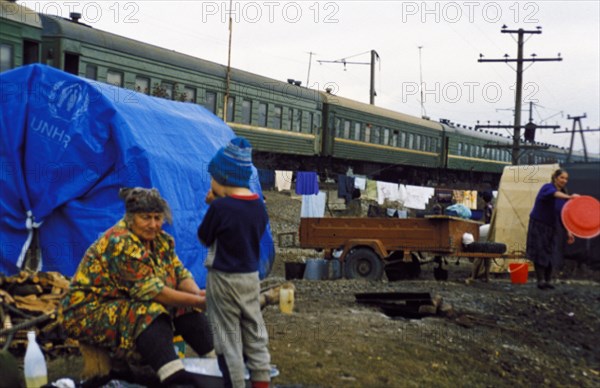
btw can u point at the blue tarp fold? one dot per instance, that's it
(68, 145)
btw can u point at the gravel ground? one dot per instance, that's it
(494, 334)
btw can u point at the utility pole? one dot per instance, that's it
(577, 120)
(519, 87)
(228, 79)
(309, 63)
(374, 57)
(423, 113)
(530, 129)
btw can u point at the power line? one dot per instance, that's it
(577, 120)
(374, 57)
(519, 88)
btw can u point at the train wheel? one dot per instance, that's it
(363, 263)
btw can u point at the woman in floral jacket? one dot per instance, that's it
(131, 289)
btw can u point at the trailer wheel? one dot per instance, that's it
(363, 263)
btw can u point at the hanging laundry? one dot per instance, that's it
(386, 190)
(283, 180)
(418, 196)
(266, 178)
(307, 183)
(360, 182)
(371, 190)
(473, 199)
(313, 206)
(402, 194)
(345, 187)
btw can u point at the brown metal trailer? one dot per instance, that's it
(368, 244)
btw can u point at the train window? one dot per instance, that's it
(376, 135)
(246, 112)
(411, 140)
(418, 142)
(338, 127)
(6, 57)
(460, 147)
(311, 122)
(346, 134)
(277, 117)
(72, 65)
(386, 136)
(168, 88)
(290, 118)
(403, 139)
(231, 109)
(189, 94)
(356, 133)
(210, 101)
(367, 137)
(142, 84)
(297, 121)
(31, 52)
(394, 141)
(91, 72)
(262, 114)
(114, 78)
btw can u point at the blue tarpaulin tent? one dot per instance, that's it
(68, 144)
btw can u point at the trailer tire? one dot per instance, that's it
(363, 263)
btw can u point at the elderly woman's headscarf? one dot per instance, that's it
(142, 200)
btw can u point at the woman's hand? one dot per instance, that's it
(570, 238)
(575, 195)
(176, 298)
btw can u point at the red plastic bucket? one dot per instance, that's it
(518, 272)
(581, 216)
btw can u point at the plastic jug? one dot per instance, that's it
(36, 373)
(286, 299)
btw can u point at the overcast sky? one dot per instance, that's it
(274, 39)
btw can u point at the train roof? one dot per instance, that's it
(378, 111)
(479, 134)
(58, 26)
(19, 13)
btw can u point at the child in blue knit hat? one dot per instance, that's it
(233, 227)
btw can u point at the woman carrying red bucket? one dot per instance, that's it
(546, 234)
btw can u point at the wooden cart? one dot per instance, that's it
(367, 245)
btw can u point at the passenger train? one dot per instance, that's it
(290, 127)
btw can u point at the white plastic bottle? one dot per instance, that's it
(36, 373)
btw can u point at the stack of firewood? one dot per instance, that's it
(31, 301)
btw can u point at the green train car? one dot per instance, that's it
(277, 117)
(470, 150)
(21, 37)
(357, 131)
(290, 127)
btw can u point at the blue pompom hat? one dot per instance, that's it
(232, 165)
